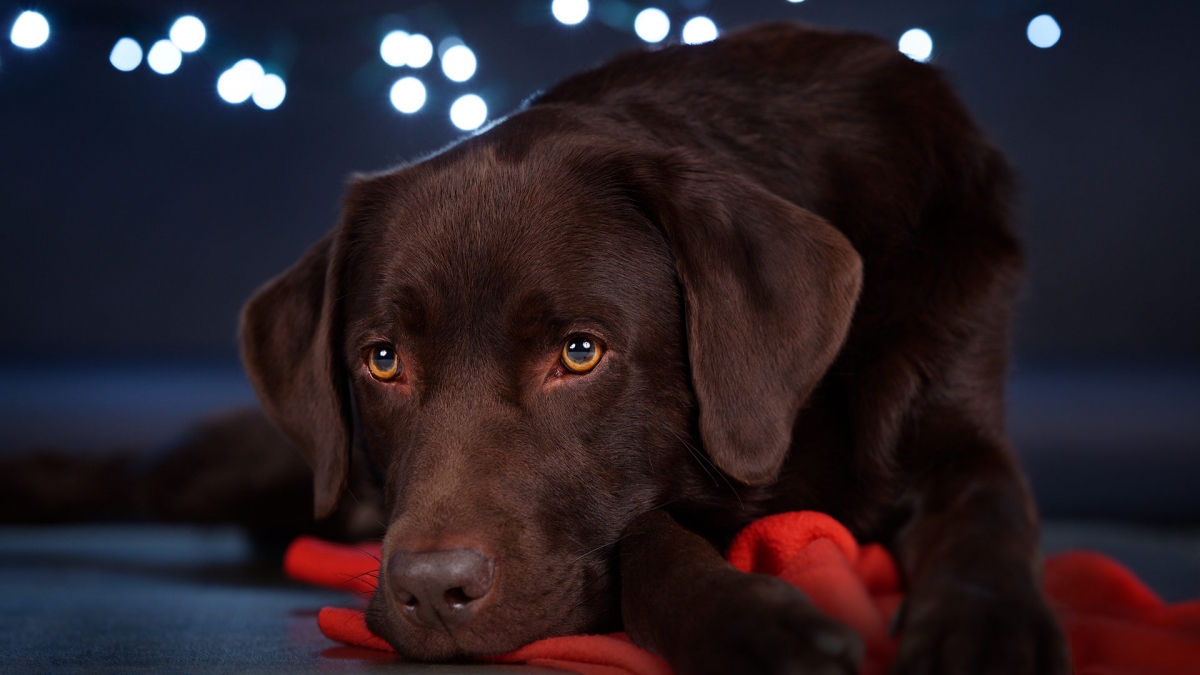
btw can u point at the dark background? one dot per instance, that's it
(138, 211)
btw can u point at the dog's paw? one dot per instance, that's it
(766, 626)
(970, 629)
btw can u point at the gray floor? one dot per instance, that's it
(121, 599)
(125, 599)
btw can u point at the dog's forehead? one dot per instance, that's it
(493, 236)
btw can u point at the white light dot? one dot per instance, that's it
(408, 95)
(420, 51)
(30, 30)
(916, 44)
(698, 30)
(241, 80)
(164, 57)
(126, 55)
(1043, 31)
(459, 63)
(188, 33)
(569, 12)
(468, 112)
(652, 24)
(394, 48)
(401, 49)
(269, 93)
(795, 1)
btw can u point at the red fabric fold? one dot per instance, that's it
(1115, 624)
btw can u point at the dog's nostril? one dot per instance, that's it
(405, 598)
(457, 597)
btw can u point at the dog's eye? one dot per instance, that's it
(383, 362)
(581, 353)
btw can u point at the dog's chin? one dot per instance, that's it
(492, 633)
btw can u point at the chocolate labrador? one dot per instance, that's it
(698, 285)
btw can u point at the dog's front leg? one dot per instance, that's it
(970, 555)
(680, 599)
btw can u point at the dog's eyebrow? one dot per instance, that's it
(537, 316)
(395, 310)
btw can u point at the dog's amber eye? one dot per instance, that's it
(383, 362)
(581, 353)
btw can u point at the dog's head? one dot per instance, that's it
(536, 334)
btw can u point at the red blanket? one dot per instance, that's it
(1115, 624)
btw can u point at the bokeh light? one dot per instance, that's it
(916, 44)
(1043, 31)
(125, 55)
(569, 12)
(241, 80)
(394, 48)
(269, 93)
(188, 34)
(698, 30)
(652, 24)
(458, 62)
(408, 95)
(420, 51)
(468, 112)
(401, 49)
(164, 57)
(30, 30)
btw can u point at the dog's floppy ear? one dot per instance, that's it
(288, 347)
(769, 291)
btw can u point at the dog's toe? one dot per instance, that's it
(990, 635)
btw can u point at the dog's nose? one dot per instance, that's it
(440, 589)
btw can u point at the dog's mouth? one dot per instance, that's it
(494, 611)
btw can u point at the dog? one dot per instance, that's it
(564, 360)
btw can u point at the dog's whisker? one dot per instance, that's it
(601, 546)
(591, 596)
(699, 457)
(369, 555)
(703, 460)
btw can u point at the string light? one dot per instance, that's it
(468, 112)
(269, 93)
(652, 24)
(241, 80)
(408, 95)
(458, 62)
(247, 79)
(699, 30)
(394, 48)
(164, 57)
(126, 55)
(569, 12)
(420, 51)
(916, 44)
(401, 49)
(30, 30)
(188, 34)
(1043, 31)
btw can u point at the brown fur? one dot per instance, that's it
(794, 245)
